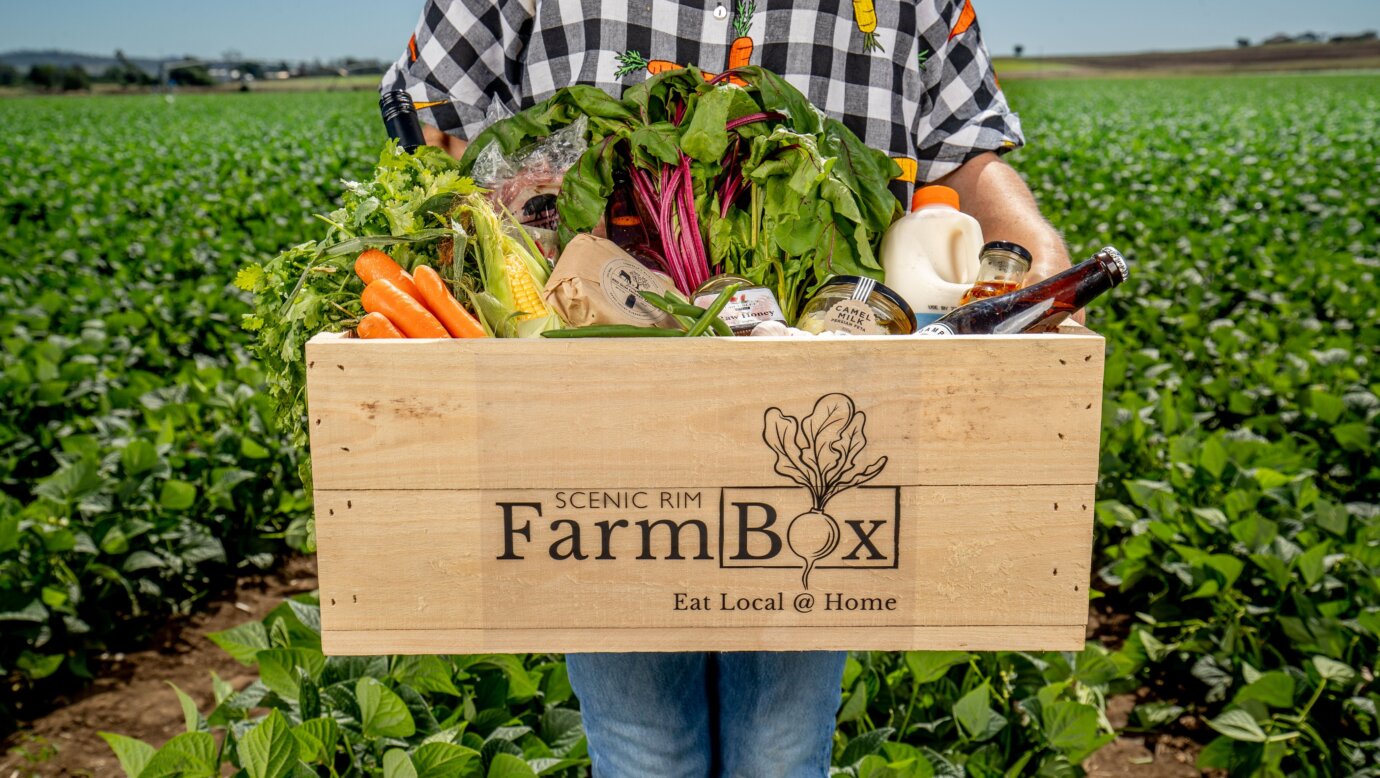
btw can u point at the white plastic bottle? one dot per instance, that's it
(930, 255)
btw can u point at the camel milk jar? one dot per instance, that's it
(930, 255)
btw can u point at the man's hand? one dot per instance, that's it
(991, 192)
(434, 137)
(995, 195)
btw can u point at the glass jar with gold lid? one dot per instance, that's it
(856, 305)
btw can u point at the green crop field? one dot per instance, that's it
(1237, 570)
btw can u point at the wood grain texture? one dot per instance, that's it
(592, 639)
(964, 556)
(976, 534)
(443, 414)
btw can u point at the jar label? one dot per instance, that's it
(621, 280)
(746, 309)
(852, 316)
(937, 329)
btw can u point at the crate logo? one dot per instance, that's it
(839, 522)
(823, 453)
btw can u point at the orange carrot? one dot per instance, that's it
(376, 325)
(740, 53)
(374, 264)
(410, 316)
(457, 321)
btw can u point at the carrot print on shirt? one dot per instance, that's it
(965, 20)
(865, 15)
(739, 52)
(908, 169)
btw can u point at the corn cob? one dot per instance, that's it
(526, 295)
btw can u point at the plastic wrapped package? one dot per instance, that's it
(528, 181)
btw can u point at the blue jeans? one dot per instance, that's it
(692, 715)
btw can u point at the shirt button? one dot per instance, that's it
(720, 12)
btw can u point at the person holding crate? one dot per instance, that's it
(911, 78)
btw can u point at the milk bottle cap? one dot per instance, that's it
(934, 195)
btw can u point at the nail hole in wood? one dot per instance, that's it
(1085, 507)
(331, 511)
(1060, 434)
(1087, 407)
(342, 367)
(1056, 506)
(311, 363)
(333, 601)
(1075, 587)
(1062, 362)
(318, 422)
(1088, 358)
(349, 503)
(346, 449)
(355, 597)
(1056, 571)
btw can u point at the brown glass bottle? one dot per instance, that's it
(1038, 306)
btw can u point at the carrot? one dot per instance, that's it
(376, 325)
(374, 264)
(865, 15)
(740, 51)
(965, 20)
(415, 321)
(633, 61)
(908, 169)
(457, 321)
(658, 66)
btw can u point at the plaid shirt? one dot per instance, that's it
(910, 77)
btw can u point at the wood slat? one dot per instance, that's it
(470, 641)
(963, 556)
(599, 413)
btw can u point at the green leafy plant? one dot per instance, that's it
(482, 716)
(141, 466)
(925, 713)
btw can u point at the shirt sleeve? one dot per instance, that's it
(967, 112)
(463, 65)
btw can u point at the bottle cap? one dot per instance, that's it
(1115, 264)
(934, 195)
(1014, 249)
(394, 103)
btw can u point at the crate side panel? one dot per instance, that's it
(611, 413)
(958, 556)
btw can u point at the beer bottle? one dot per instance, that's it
(1039, 306)
(400, 120)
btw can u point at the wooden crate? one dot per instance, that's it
(618, 495)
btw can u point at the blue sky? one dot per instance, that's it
(307, 29)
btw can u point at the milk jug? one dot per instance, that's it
(930, 255)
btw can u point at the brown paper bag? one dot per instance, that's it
(596, 282)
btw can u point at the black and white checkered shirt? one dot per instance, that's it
(910, 77)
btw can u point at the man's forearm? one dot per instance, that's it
(996, 196)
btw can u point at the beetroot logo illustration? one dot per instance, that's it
(820, 453)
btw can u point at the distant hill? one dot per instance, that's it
(1356, 54)
(94, 64)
